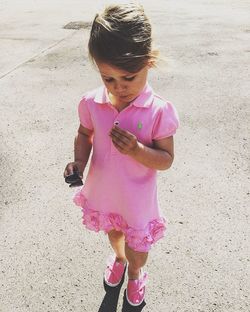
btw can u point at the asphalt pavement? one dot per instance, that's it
(48, 261)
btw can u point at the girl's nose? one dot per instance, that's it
(119, 87)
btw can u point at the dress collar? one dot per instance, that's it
(144, 99)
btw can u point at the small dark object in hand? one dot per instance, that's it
(73, 179)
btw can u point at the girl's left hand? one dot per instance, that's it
(124, 141)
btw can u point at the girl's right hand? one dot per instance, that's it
(75, 166)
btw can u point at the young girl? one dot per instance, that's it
(130, 130)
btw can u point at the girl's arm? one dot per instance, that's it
(159, 157)
(83, 145)
(82, 149)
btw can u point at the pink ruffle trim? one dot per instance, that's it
(138, 240)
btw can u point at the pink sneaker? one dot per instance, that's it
(114, 272)
(135, 292)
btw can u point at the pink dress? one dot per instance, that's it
(120, 193)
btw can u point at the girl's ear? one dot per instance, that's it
(151, 63)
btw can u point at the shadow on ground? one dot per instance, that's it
(110, 300)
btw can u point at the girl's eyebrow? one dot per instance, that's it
(129, 75)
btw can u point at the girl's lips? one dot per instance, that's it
(123, 96)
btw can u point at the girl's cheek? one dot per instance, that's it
(109, 86)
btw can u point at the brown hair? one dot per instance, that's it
(122, 37)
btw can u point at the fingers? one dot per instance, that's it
(117, 130)
(120, 149)
(71, 168)
(119, 138)
(123, 140)
(119, 144)
(121, 135)
(68, 170)
(80, 173)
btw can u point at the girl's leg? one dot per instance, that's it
(136, 261)
(117, 241)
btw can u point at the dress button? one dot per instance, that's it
(116, 123)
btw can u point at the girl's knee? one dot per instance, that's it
(115, 235)
(135, 258)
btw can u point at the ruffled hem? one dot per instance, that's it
(138, 240)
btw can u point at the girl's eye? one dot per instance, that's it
(129, 78)
(108, 79)
(125, 78)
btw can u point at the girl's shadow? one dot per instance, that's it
(110, 300)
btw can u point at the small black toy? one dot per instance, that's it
(74, 179)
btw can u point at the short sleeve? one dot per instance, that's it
(166, 123)
(84, 114)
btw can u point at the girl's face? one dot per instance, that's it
(123, 86)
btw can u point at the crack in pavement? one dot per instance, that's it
(38, 54)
